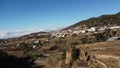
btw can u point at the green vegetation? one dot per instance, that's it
(32, 54)
(104, 20)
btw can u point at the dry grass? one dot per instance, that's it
(104, 48)
(109, 48)
(111, 63)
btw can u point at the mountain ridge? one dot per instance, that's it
(103, 20)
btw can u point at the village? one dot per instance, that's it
(38, 39)
(82, 30)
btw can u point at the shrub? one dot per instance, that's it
(31, 54)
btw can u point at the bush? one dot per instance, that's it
(31, 54)
(75, 53)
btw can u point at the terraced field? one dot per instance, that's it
(107, 54)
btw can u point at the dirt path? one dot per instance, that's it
(108, 56)
(103, 64)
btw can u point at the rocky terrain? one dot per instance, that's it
(93, 43)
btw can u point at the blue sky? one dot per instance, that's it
(26, 14)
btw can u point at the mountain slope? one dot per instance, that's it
(104, 20)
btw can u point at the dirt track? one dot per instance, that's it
(106, 57)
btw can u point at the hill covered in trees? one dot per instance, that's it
(104, 20)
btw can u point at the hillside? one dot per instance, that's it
(79, 47)
(104, 20)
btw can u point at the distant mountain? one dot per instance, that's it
(104, 20)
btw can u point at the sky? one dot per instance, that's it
(30, 14)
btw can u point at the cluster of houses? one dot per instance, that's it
(63, 33)
(81, 30)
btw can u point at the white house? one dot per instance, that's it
(101, 29)
(115, 27)
(83, 31)
(76, 32)
(92, 29)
